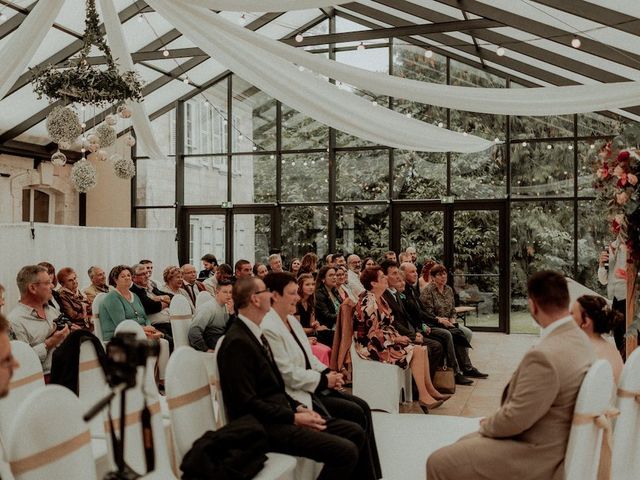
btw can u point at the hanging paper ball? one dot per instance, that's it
(124, 111)
(63, 125)
(124, 168)
(58, 159)
(83, 176)
(106, 135)
(111, 120)
(130, 141)
(93, 138)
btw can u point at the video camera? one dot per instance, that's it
(125, 353)
(62, 321)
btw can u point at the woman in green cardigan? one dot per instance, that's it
(122, 304)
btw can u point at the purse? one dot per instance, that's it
(444, 380)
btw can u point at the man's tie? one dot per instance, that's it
(267, 349)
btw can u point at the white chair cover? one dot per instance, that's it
(585, 439)
(49, 439)
(279, 466)
(203, 297)
(26, 379)
(181, 316)
(95, 315)
(626, 436)
(369, 375)
(134, 451)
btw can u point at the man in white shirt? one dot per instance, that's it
(32, 318)
(612, 272)
(353, 275)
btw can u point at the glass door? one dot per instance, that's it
(207, 234)
(252, 235)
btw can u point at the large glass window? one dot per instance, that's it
(205, 180)
(254, 114)
(156, 181)
(305, 177)
(542, 169)
(205, 117)
(479, 175)
(306, 229)
(419, 174)
(254, 179)
(362, 175)
(362, 229)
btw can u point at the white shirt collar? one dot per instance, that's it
(554, 326)
(255, 329)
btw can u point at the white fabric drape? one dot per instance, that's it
(80, 248)
(19, 50)
(116, 41)
(265, 5)
(507, 101)
(305, 92)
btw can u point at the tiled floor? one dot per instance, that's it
(493, 353)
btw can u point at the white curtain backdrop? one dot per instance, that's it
(305, 92)
(19, 50)
(80, 248)
(115, 39)
(512, 101)
(265, 5)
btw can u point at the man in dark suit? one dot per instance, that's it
(251, 384)
(402, 322)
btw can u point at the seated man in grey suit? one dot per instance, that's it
(527, 437)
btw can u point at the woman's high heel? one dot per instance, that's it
(429, 406)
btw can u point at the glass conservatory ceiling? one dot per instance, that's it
(536, 36)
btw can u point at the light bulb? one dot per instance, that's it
(165, 52)
(301, 68)
(464, 134)
(575, 42)
(500, 51)
(374, 103)
(186, 80)
(408, 115)
(428, 53)
(254, 148)
(299, 38)
(592, 146)
(570, 147)
(549, 147)
(497, 140)
(524, 144)
(440, 124)
(140, 18)
(361, 47)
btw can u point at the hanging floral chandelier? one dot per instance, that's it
(82, 83)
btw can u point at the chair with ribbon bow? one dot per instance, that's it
(202, 298)
(95, 315)
(588, 454)
(181, 315)
(626, 436)
(49, 439)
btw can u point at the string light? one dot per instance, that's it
(361, 47)
(428, 53)
(186, 80)
(141, 18)
(575, 42)
(165, 52)
(500, 51)
(524, 144)
(408, 115)
(299, 37)
(549, 147)
(440, 124)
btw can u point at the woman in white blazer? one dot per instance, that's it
(307, 379)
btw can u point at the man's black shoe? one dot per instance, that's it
(462, 380)
(474, 373)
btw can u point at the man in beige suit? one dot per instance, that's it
(527, 437)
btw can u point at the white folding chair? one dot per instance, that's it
(592, 412)
(626, 435)
(203, 297)
(26, 379)
(181, 315)
(95, 315)
(134, 452)
(49, 439)
(369, 375)
(278, 466)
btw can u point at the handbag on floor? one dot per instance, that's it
(445, 379)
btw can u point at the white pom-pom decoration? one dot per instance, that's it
(124, 168)
(111, 120)
(63, 125)
(130, 141)
(106, 135)
(124, 111)
(83, 176)
(58, 159)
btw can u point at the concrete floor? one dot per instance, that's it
(496, 354)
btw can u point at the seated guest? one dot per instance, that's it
(306, 315)
(377, 339)
(403, 257)
(209, 264)
(354, 264)
(211, 318)
(223, 272)
(72, 302)
(33, 316)
(149, 265)
(54, 301)
(306, 379)
(98, 284)
(328, 260)
(260, 270)
(595, 317)
(309, 264)
(342, 286)
(252, 385)
(327, 303)
(295, 266)
(155, 304)
(394, 296)
(453, 341)
(275, 262)
(438, 300)
(191, 284)
(526, 439)
(243, 269)
(390, 255)
(122, 304)
(338, 260)
(173, 284)
(413, 258)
